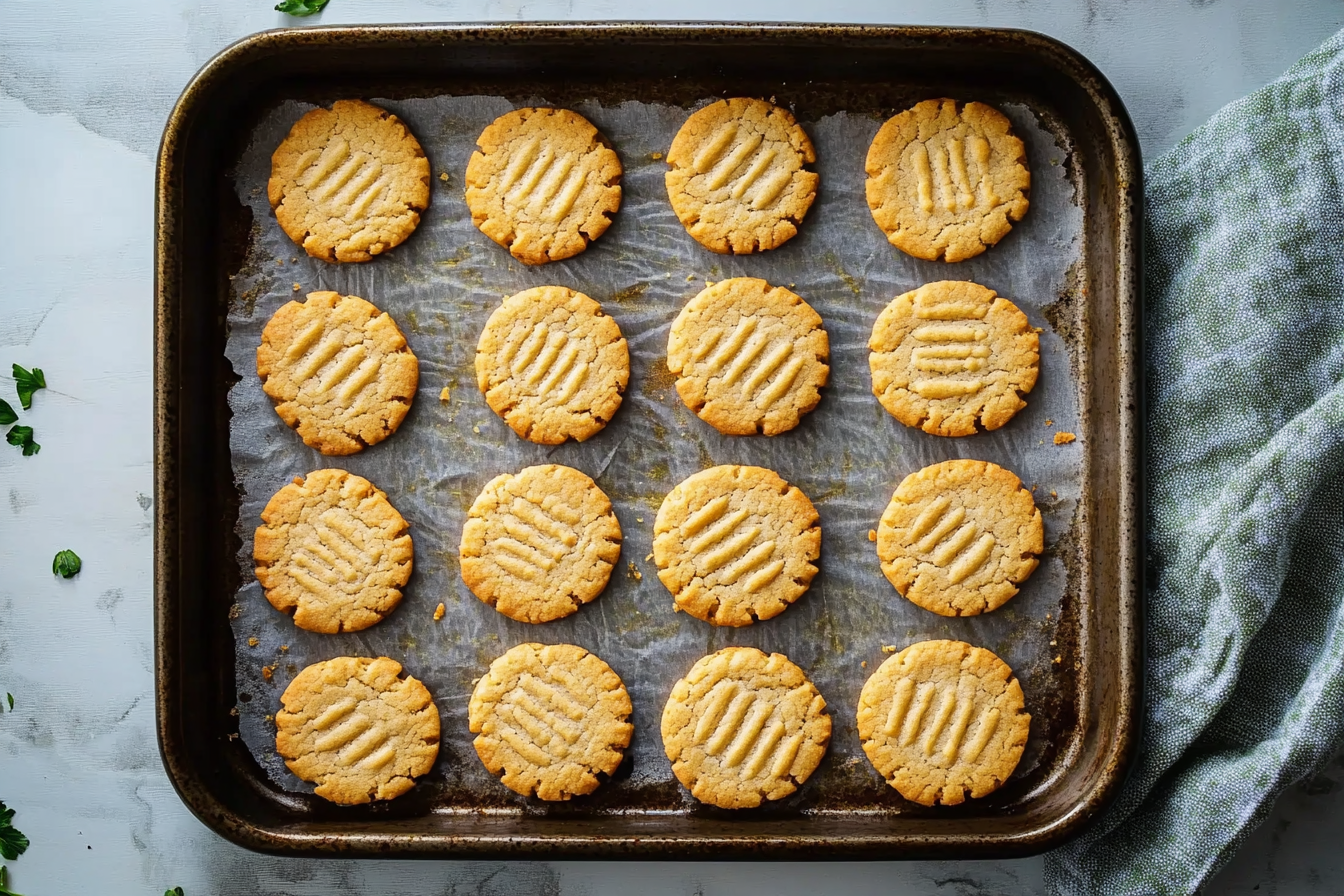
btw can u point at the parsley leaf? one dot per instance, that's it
(28, 382)
(10, 697)
(4, 883)
(301, 8)
(22, 437)
(12, 843)
(66, 564)
(7, 414)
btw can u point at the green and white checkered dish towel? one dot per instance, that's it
(1245, 591)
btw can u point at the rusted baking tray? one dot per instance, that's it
(1072, 264)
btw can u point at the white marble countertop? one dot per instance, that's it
(84, 90)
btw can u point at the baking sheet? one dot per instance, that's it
(847, 455)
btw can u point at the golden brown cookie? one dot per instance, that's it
(736, 544)
(540, 543)
(333, 552)
(959, 537)
(544, 184)
(943, 721)
(749, 357)
(349, 182)
(952, 357)
(552, 365)
(339, 371)
(947, 181)
(743, 727)
(737, 179)
(357, 730)
(551, 720)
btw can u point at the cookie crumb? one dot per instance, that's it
(1049, 423)
(639, 519)
(268, 672)
(1052, 643)
(1047, 615)
(476, 429)
(1064, 438)
(888, 648)
(444, 395)
(252, 642)
(1053, 493)
(443, 176)
(656, 156)
(297, 287)
(284, 648)
(863, 664)
(270, 718)
(1058, 658)
(635, 573)
(648, 558)
(872, 535)
(439, 611)
(690, 277)
(234, 712)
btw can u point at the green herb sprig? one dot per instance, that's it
(12, 842)
(4, 883)
(22, 437)
(27, 382)
(67, 564)
(301, 8)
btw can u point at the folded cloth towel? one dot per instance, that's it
(1245, 596)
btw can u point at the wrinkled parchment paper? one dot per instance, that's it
(847, 456)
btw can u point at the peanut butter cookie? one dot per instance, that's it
(737, 179)
(349, 182)
(943, 721)
(357, 730)
(333, 552)
(952, 357)
(339, 371)
(946, 181)
(551, 720)
(749, 357)
(743, 727)
(544, 184)
(540, 543)
(736, 544)
(552, 365)
(959, 537)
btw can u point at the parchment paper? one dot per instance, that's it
(847, 456)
